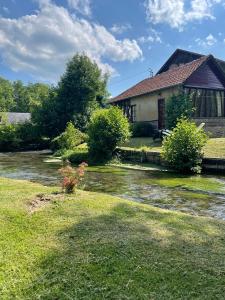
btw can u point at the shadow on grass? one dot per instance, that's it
(135, 253)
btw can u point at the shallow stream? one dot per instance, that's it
(199, 195)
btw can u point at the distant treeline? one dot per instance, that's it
(15, 96)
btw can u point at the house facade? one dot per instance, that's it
(201, 77)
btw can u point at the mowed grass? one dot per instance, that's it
(95, 246)
(215, 147)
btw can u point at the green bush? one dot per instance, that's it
(15, 137)
(107, 129)
(69, 139)
(178, 106)
(183, 148)
(9, 139)
(28, 133)
(76, 156)
(142, 129)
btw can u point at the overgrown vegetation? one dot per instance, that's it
(69, 139)
(178, 106)
(77, 156)
(107, 129)
(26, 136)
(183, 149)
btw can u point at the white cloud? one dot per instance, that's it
(176, 13)
(153, 37)
(83, 6)
(120, 28)
(42, 43)
(209, 41)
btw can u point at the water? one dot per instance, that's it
(198, 195)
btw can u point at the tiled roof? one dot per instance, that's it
(167, 79)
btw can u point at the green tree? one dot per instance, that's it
(45, 115)
(21, 97)
(38, 93)
(178, 106)
(27, 98)
(183, 148)
(6, 95)
(107, 129)
(81, 90)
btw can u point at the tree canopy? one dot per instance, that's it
(18, 97)
(81, 90)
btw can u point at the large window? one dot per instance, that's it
(133, 113)
(207, 103)
(128, 110)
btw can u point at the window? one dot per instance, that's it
(133, 113)
(207, 103)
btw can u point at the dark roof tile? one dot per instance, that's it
(167, 79)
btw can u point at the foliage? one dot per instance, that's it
(17, 97)
(183, 148)
(107, 129)
(9, 139)
(72, 177)
(45, 115)
(69, 139)
(25, 136)
(76, 156)
(178, 106)
(28, 132)
(81, 90)
(6, 95)
(142, 129)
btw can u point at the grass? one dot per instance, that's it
(95, 246)
(215, 146)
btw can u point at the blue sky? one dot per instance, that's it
(125, 37)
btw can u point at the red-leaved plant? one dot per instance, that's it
(72, 177)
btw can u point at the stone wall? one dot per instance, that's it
(215, 126)
(209, 164)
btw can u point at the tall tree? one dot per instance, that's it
(81, 90)
(6, 95)
(28, 97)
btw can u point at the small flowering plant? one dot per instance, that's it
(72, 177)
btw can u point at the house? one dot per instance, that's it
(202, 77)
(14, 117)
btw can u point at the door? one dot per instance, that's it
(161, 113)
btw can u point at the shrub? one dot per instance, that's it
(107, 129)
(72, 177)
(28, 133)
(9, 139)
(69, 139)
(142, 129)
(76, 156)
(178, 106)
(183, 148)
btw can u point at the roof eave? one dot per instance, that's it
(157, 90)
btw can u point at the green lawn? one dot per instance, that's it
(215, 147)
(94, 246)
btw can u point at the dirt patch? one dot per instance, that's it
(41, 200)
